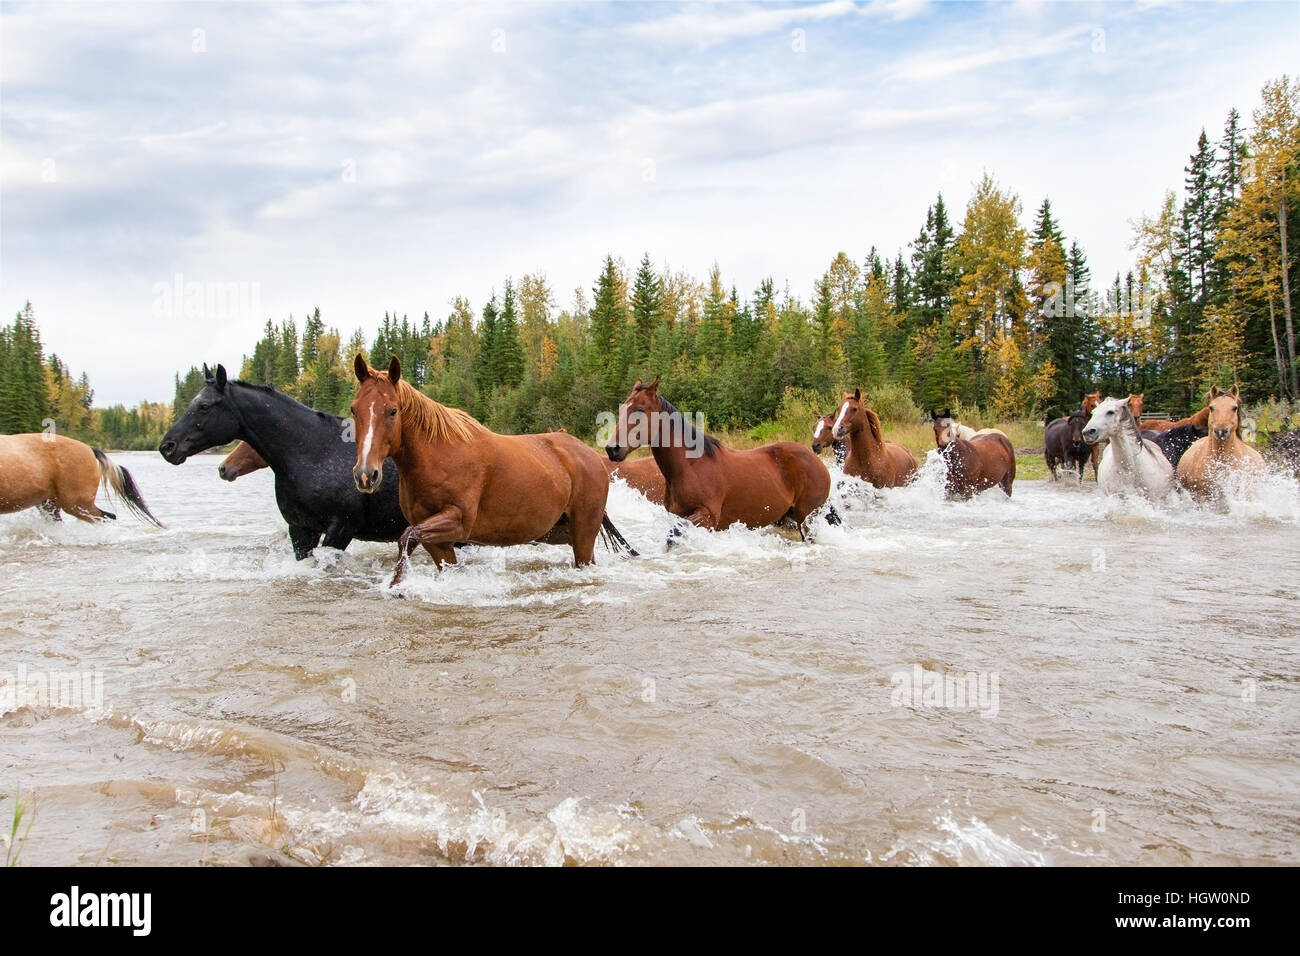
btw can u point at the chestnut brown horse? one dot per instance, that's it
(976, 465)
(641, 475)
(871, 458)
(461, 482)
(823, 438)
(1198, 420)
(56, 474)
(1222, 451)
(241, 461)
(713, 486)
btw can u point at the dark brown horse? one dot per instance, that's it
(241, 461)
(714, 486)
(1063, 443)
(460, 482)
(976, 465)
(871, 458)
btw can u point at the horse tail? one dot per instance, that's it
(613, 539)
(119, 479)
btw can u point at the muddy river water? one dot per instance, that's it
(1123, 686)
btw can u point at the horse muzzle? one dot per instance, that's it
(616, 452)
(367, 479)
(1091, 436)
(171, 453)
(1221, 434)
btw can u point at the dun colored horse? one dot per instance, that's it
(241, 461)
(1063, 443)
(460, 482)
(823, 437)
(719, 487)
(59, 474)
(1220, 452)
(871, 458)
(975, 464)
(1130, 462)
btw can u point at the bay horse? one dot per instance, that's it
(975, 464)
(58, 474)
(1063, 443)
(720, 486)
(309, 452)
(1130, 462)
(241, 461)
(822, 438)
(461, 482)
(1221, 451)
(641, 474)
(884, 464)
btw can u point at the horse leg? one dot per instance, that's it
(304, 540)
(50, 509)
(583, 532)
(701, 517)
(443, 528)
(441, 554)
(337, 536)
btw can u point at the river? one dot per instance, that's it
(1131, 679)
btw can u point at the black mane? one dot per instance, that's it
(689, 431)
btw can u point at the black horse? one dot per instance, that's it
(1063, 442)
(311, 453)
(1174, 442)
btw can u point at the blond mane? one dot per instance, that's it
(436, 422)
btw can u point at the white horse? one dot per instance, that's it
(1130, 462)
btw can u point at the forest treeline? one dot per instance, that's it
(984, 309)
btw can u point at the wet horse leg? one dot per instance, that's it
(50, 509)
(442, 529)
(304, 540)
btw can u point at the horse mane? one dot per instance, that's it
(433, 420)
(689, 432)
(873, 420)
(271, 390)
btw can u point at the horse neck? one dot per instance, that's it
(278, 428)
(865, 446)
(1128, 447)
(671, 459)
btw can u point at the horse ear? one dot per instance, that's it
(360, 368)
(221, 378)
(1234, 392)
(857, 394)
(394, 370)
(653, 386)
(1213, 394)
(207, 375)
(946, 413)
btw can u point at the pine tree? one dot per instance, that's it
(647, 311)
(509, 353)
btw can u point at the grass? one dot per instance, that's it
(14, 841)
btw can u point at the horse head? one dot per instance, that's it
(1108, 419)
(945, 429)
(210, 420)
(851, 417)
(1076, 421)
(377, 422)
(822, 437)
(1225, 413)
(634, 418)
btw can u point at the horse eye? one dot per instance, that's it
(392, 413)
(204, 407)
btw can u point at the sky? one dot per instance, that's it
(267, 158)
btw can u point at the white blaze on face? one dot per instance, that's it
(817, 432)
(839, 421)
(370, 435)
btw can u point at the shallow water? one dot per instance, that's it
(740, 700)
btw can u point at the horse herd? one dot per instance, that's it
(406, 468)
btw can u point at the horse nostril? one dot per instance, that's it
(167, 447)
